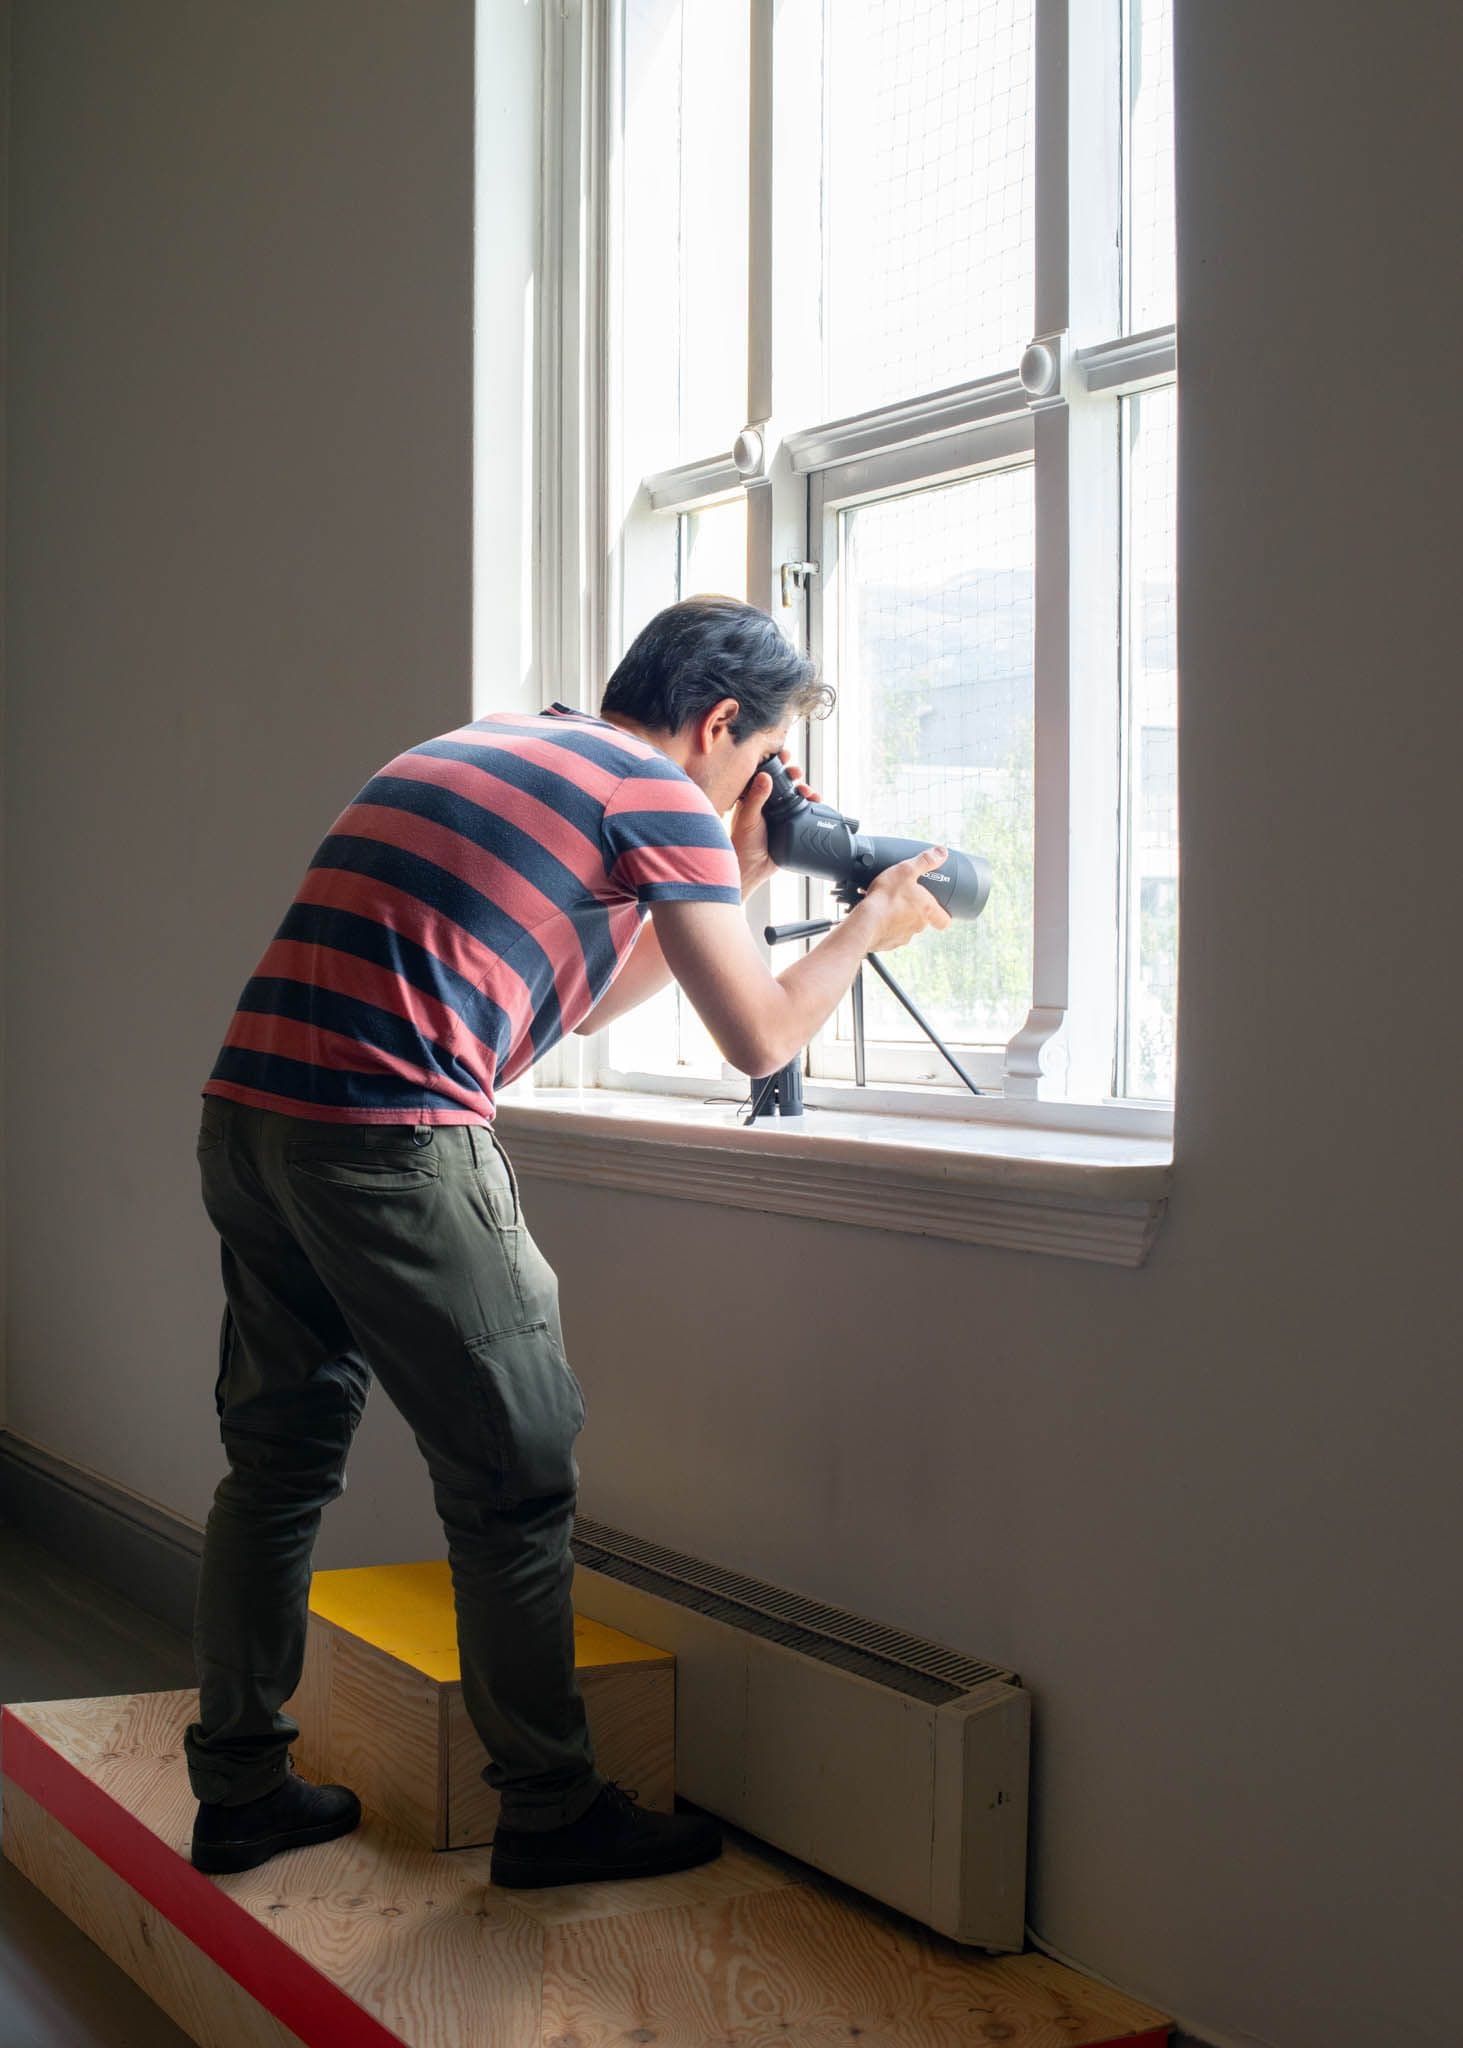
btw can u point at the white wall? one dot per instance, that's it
(240, 488)
(1209, 1510)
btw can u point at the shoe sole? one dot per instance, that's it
(221, 1859)
(536, 1874)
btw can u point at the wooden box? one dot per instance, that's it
(380, 1704)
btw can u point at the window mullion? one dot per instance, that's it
(1094, 127)
(1029, 1064)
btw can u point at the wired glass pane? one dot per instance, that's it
(714, 551)
(935, 729)
(928, 195)
(1150, 747)
(665, 1035)
(684, 228)
(1149, 241)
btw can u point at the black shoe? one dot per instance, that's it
(294, 1814)
(612, 1838)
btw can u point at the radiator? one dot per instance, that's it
(897, 1765)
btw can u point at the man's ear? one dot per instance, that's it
(718, 720)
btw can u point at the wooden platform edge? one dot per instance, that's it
(275, 1976)
(195, 1992)
(204, 1921)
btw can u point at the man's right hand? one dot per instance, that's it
(898, 907)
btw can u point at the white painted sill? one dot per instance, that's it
(1022, 1186)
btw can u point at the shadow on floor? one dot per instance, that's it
(65, 1636)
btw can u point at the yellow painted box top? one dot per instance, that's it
(407, 1612)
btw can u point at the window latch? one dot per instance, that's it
(795, 577)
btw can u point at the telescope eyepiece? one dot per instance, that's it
(815, 839)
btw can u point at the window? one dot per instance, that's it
(877, 329)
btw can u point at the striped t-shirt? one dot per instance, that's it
(467, 909)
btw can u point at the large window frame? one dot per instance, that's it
(1060, 409)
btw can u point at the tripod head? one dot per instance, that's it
(816, 839)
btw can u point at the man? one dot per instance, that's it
(486, 891)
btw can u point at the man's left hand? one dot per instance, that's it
(749, 830)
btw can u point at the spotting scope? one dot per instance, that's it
(815, 839)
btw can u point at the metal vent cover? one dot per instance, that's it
(908, 1664)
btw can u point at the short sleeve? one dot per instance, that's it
(664, 843)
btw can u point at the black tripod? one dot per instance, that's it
(781, 1094)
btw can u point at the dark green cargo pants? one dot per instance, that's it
(397, 1251)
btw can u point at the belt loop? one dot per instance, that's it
(473, 1145)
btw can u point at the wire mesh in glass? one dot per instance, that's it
(935, 727)
(1150, 747)
(713, 544)
(928, 195)
(683, 239)
(1149, 240)
(665, 1035)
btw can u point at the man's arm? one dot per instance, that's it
(760, 1020)
(642, 975)
(646, 972)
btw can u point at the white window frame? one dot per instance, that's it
(1060, 408)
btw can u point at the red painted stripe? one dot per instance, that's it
(274, 1975)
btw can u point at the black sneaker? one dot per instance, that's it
(610, 1839)
(293, 1815)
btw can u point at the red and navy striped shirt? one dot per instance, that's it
(467, 909)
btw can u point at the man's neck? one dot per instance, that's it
(665, 742)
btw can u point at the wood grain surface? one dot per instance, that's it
(402, 1738)
(189, 1986)
(631, 1710)
(752, 1950)
(376, 1725)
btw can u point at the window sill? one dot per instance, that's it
(1077, 1194)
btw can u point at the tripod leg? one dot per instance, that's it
(857, 992)
(923, 1022)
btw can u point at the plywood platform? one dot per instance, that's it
(380, 1704)
(371, 1940)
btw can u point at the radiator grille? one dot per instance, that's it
(908, 1664)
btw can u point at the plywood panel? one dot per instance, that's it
(631, 1714)
(753, 1948)
(421, 1944)
(83, 1727)
(188, 1985)
(376, 1725)
(309, 1705)
(800, 1967)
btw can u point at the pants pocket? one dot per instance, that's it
(533, 1407)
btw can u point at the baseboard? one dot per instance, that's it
(132, 1545)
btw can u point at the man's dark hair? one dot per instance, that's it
(694, 653)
